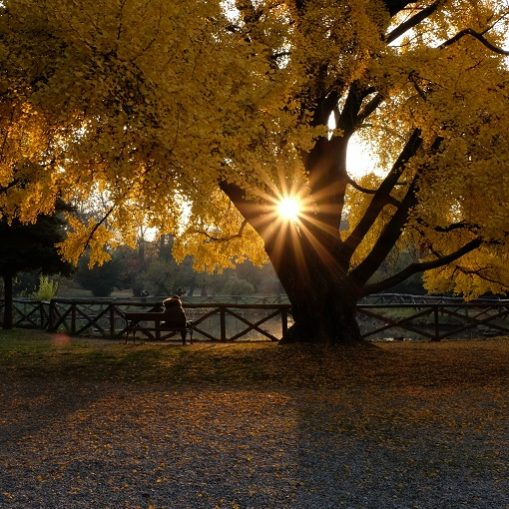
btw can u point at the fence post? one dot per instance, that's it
(73, 318)
(41, 314)
(222, 322)
(51, 314)
(436, 336)
(112, 321)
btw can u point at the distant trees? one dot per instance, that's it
(236, 286)
(150, 268)
(99, 279)
(157, 273)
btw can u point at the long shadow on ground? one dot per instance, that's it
(259, 427)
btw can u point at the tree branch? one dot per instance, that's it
(478, 273)
(477, 35)
(324, 107)
(237, 195)
(389, 199)
(351, 115)
(414, 78)
(385, 242)
(413, 21)
(393, 229)
(380, 198)
(461, 225)
(213, 238)
(394, 6)
(97, 226)
(370, 108)
(414, 268)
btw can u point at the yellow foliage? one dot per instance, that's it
(136, 111)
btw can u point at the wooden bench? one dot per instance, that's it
(155, 327)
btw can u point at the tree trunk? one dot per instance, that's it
(309, 261)
(8, 307)
(323, 317)
(322, 296)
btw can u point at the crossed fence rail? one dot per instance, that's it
(106, 318)
(433, 320)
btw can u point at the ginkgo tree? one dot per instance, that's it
(200, 117)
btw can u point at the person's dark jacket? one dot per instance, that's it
(173, 313)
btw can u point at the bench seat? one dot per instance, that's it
(154, 326)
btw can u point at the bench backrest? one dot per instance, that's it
(175, 317)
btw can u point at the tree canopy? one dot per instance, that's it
(198, 117)
(27, 247)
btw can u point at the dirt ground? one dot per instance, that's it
(232, 426)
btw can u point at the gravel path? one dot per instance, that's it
(106, 445)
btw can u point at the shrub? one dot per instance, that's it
(47, 290)
(236, 286)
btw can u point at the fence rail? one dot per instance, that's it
(27, 313)
(213, 322)
(409, 298)
(230, 322)
(434, 321)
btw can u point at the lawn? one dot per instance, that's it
(104, 424)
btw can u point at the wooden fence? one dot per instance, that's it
(230, 322)
(27, 313)
(434, 321)
(106, 318)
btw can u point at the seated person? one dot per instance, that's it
(174, 312)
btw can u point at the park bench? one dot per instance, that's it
(154, 326)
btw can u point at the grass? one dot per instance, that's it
(392, 365)
(366, 390)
